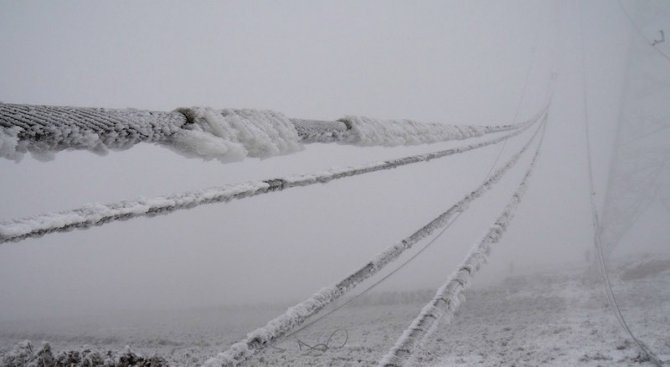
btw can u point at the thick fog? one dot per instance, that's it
(462, 62)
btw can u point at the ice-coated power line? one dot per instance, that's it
(595, 218)
(97, 214)
(227, 135)
(448, 296)
(295, 316)
(433, 240)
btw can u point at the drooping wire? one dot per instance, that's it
(325, 346)
(594, 211)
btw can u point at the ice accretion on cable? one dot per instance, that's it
(448, 297)
(370, 131)
(43, 131)
(98, 214)
(202, 132)
(298, 314)
(274, 329)
(234, 134)
(9, 143)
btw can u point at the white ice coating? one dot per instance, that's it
(297, 315)
(9, 143)
(96, 214)
(45, 130)
(202, 132)
(448, 297)
(227, 135)
(368, 131)
(234, 134)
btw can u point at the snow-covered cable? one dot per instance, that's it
(372, 132)
(96, 214)
(295, 316)
(400, 266)
(226, 135)
(379, 281)
(44, 130)
(449, 296)
(595, 219)
(232, 135)
(318, 131)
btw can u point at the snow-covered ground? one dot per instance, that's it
(554, 318)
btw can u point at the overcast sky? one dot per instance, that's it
(442, 61)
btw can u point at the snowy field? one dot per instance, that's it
(553, 318)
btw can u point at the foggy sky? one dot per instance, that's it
(453, 62)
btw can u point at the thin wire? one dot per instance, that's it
(638, 30)
(381, 280)
(594, 210)
(324, 347)
(521, 99)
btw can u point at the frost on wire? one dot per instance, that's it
(298, 314)
(96, 214)
(226, 135)
(449, 296)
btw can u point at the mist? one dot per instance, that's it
(459, 62)
(312, 61)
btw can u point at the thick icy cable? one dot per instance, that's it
(9, 143)
(44, 130)
(232, 135)
(297, 315)
(98, 214)
(369, 131)
(446, 300)
(315, 131)
(226, 135)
